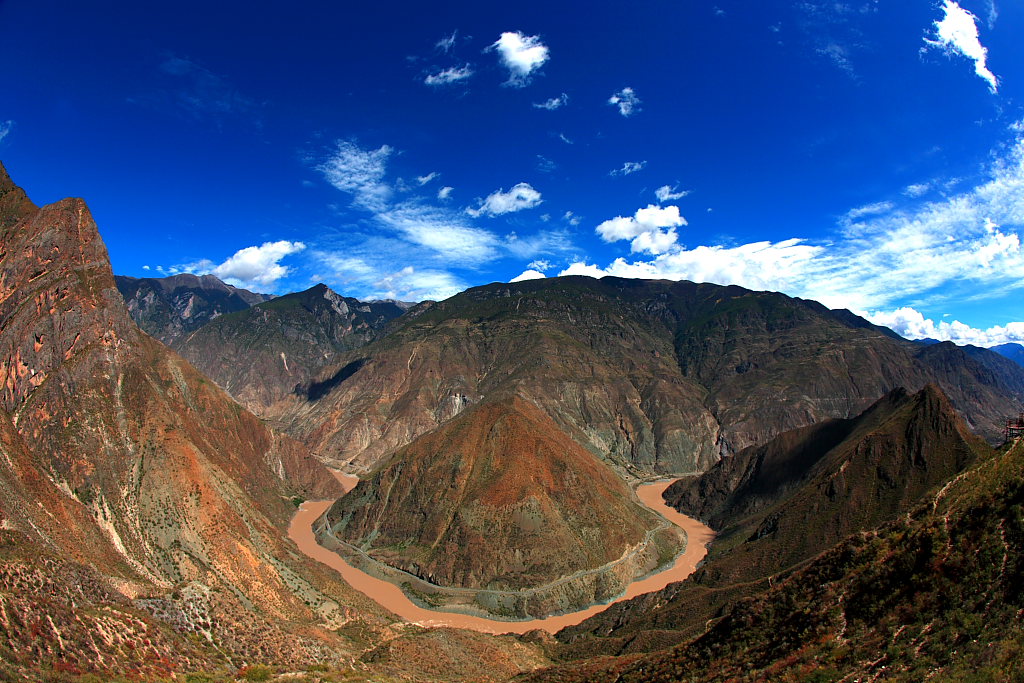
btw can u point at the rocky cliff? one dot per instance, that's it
(274, 350)
(169, 308)
(122, 463)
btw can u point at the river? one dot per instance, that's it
(394, 600)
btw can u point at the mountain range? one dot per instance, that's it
(867, 524)
(142, 510)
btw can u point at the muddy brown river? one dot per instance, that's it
(393, 599)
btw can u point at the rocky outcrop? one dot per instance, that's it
(275, 350)
(501, 506)
(169, 308)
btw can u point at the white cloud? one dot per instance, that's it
(561, 136)
(545, 242)
(424, 179)
(571, 218)
(5, 128)
(528, 275)
(455, 74)
(869, 210)
(911, 324)
(839, 55)
(917, 189)
(629, 167)
(521, 55)
(519, 197)
(626, 100)
(580, 268)
(758, 266)
(370, 280)
(359, 172)
(540, 264)
(445, 192)
(441, 231)
(666, 193)
(957, 33)
(553, 103)
(257, 268)
(645, 229)
(545, 165)
(447, 43)
(881, 256)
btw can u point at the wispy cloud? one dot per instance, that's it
(5, 128)
(359, 172)
(522, 55)
(629, 168)
(626, 100)
(868, 210)
(545, 165)
(917, 189)
(957, 33)
(455, 74)
(375, 280)
(553, 103)
(519, 197)
(200, 92)
(669, 193)
(880, 256)
(430, 239)
(446, 44)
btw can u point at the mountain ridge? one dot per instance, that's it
(652, 376)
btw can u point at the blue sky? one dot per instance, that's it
(866, 154)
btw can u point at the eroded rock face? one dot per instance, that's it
(275, 350)
(122, 458)
(500, 499)
(169, 308)
(652, 376)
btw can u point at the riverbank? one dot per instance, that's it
(393, 599)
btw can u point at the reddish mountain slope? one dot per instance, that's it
(500, 499)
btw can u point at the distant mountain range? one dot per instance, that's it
(1013, 351)
(169, 308)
